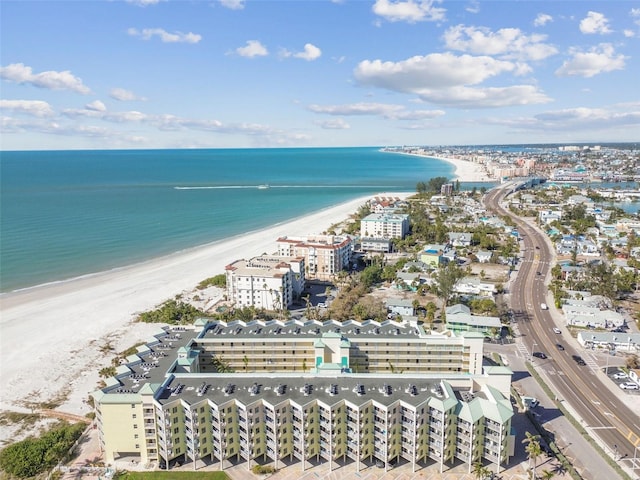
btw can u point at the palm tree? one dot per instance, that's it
(547, 475)
(533, 449)
(480, 471)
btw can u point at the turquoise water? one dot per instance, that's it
(70, 213)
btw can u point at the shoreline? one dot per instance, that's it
(57, 336)
(465, 171)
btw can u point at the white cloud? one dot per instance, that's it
(491, 97)
(436, 70)
(410, 11)
(506, 42)
(36, 108)
(542, 19)
(20, 73)
(96, 105)
(253, 49)
(334, 124)
(598, 59)
(232, 4)
(629, 33)
(594, 22)
(473, 7)
(385, 110)
(145, 3)
(311, 52)
(583, 118)
(124, 95)
(165, 37)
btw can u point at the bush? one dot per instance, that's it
(217, 281)
(172, 312)
(263, 469)
(33, 456)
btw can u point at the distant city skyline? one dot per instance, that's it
(236, 73)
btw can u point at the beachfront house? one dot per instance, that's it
(269, 282)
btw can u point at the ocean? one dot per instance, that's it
(70, 213)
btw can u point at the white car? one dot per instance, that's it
(556, 330)
(629, 386)
(620, 375)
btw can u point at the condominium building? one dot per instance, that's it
(381, 225)
(307, 390)
(324, 255)
(269, 282)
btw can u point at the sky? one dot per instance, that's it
(316, 73)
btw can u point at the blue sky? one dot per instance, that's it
(234, 73)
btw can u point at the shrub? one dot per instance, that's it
(33, 456)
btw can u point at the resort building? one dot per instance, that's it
(307, 391)
(324, 255)
(377, 225)
(269, 282)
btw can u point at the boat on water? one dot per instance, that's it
(263, 187)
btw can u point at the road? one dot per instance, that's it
(603, 412)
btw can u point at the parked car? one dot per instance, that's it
(629, 386)
(556, 330)
(560, 346)
(620, 375)
(541, 355)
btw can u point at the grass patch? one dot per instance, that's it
(12, 418)
(170, 476)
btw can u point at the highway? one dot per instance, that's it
(603, 412)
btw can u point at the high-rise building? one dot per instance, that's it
(302, 390)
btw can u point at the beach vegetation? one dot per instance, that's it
(172, 312)
(217, 281)
(107, 372)
(33, 456)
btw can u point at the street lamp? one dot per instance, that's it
(615, 455)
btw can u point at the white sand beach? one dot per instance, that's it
(54, 337)
(467, 171)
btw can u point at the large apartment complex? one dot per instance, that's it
(385, 225)
(378, 229)
(324, 255)
(307, 391)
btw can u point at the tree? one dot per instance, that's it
(435, 184)
(533, 449)
(446, 278)
(547, 475)
(632, 361)
(480, 471)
